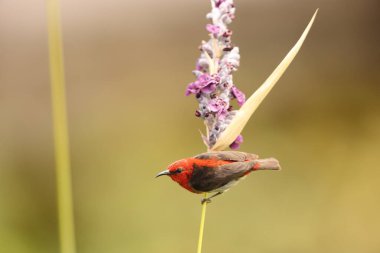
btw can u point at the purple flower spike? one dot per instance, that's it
(213, 29)
(237, 142)
(213, 87)
(239, 95)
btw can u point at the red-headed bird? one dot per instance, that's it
(216, 172)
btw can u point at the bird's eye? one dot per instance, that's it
(179, 170)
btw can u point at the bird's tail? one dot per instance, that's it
(267, 164)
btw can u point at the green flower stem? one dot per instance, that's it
(61, 139)
(202, 225)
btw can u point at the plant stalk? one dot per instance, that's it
(61, 139)
(202, 225)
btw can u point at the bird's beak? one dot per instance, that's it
(162, 173)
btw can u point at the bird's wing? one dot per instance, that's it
(206, 179)
(234, 156)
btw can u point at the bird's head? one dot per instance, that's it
(180, 172)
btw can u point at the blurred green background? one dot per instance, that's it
(127, 66)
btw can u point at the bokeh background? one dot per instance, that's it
(127, 65)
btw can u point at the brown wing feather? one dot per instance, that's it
(205, 179)
(235, 156)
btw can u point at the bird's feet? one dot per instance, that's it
(205, 200)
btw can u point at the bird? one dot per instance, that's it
(216, 172)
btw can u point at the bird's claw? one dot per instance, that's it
(205, 200)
